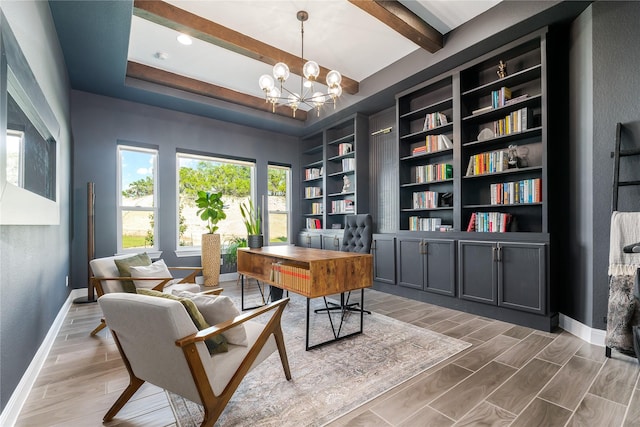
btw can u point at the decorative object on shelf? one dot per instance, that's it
(211, 210)
(252, 222)
(512, 158)
(502, 69)
(485, 134)
(306, 95)
(346, 186)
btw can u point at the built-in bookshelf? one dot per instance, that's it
(425, 132)
(503, 141)
(335, 174)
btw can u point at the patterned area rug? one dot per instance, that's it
(327, 381)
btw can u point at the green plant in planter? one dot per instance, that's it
(211, 209)
(251, 218)
(233, 244)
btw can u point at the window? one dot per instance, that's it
(137, 198)
(15, 158)
(278, 203)
(234, 178)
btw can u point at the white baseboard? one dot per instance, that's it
(19, 396)
(228, 276)
(582, 331)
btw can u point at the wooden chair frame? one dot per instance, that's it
(214, 405)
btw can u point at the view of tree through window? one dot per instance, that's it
(197, 173)
(137, 202)
(278, 203)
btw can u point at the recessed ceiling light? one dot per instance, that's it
(161, 55)
(185, 39)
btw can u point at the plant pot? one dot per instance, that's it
(210, 258)
(255, 240)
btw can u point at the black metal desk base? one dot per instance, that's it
(260, 288)
(336, 333)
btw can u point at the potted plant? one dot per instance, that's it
(211, 210)
(252, 222)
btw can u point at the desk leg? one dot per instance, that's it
(336, 335)
(260, 288)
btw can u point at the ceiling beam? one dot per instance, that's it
(176, 81)
(170, 16)
(404, 21)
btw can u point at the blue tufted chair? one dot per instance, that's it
(358, 235)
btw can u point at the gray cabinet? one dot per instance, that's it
(426, 264)
(310, 240)
(506, 274)
(383, 249)
(331, 241)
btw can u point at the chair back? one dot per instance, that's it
(147, 329)
(106, 267)
(358, 234)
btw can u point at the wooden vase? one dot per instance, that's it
(211, 259)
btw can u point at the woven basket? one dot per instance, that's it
(211, 259)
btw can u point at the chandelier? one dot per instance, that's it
(279, 94)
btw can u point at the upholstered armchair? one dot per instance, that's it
(160, 344)
(126, 273)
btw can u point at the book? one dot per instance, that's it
(482, 110)
(472, 222)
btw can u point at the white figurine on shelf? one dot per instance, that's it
(346, 187)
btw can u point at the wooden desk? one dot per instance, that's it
(323, 273)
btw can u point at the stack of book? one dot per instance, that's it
(344, 148)
(314, 224)
(524, 191)
(342, 206)
(348, 164)
(312, 173)
(431, 173)
(433, 120)
(500, 97)
(316, 208)
(310, 192)
(427, 224)
(425, 199)
(433, 143)
(517, 121)
(489, 162)
(296, 279)
(489, 222)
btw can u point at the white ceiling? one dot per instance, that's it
(338, 35)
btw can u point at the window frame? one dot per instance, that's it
(153, 251)
(288, 169)
(186, 251)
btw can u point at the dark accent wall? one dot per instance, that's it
(99, 123)
(616, 98)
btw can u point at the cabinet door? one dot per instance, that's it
(440, 266)
(308, 240)
(383, 249)
(331, 242)
(410, 262)
(477, 271)
(522, 276)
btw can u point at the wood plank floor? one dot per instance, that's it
(510, 376)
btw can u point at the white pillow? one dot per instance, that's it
(156, 269)
(217, 309)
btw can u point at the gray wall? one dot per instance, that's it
(99, 123)
(34, 260)
(616, 95)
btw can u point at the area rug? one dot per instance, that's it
(328, 381)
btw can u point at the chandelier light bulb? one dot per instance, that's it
(333, 78)
(273, 95)
(311, 70)
(281, 71)
(293, 101)
(335, 91)
(266, 83)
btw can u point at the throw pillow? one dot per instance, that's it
(215, 344)
(124, 268)
(217, 309)
(157, 269)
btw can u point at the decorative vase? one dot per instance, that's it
(211, 259)
(255, 241)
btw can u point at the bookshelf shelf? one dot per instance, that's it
(514, 79)
(536, 131)
(507, 172)
(421, 184)
(420, 112)
(422, 133)
(422, 156)
(504, 205)
(347, 138)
